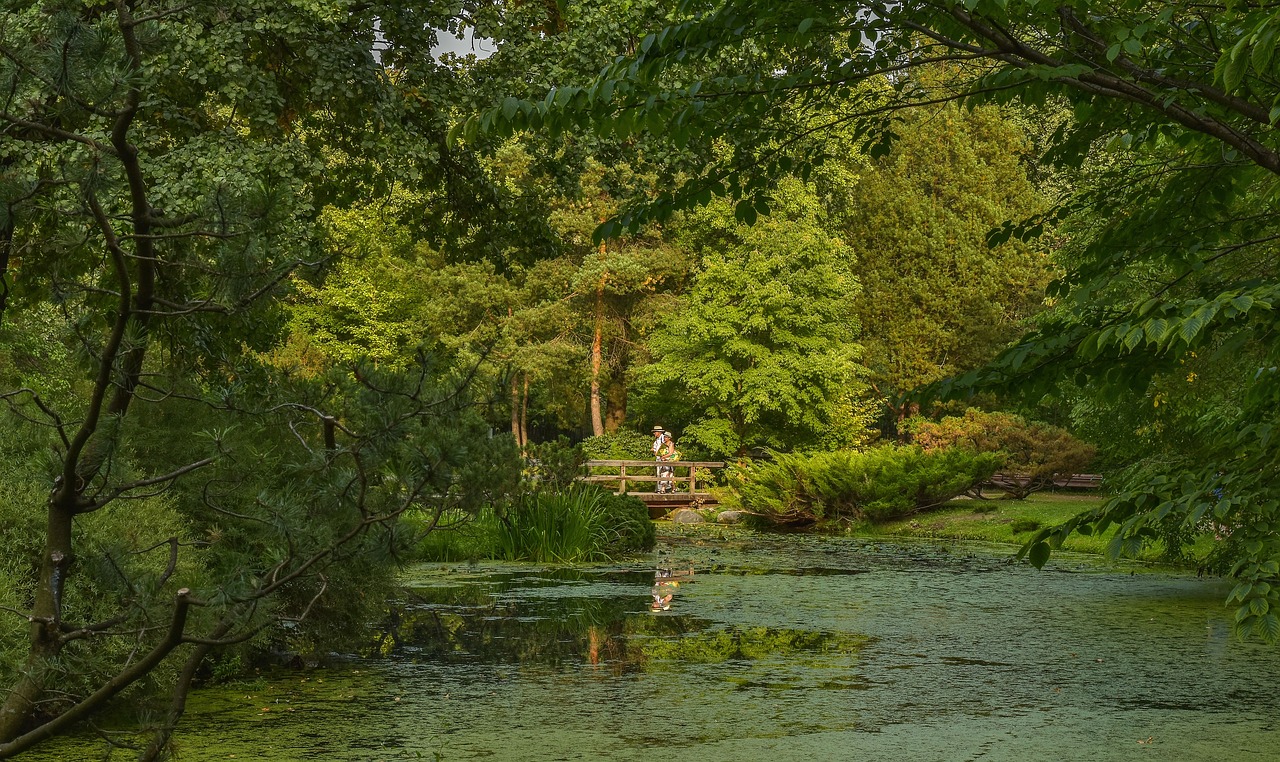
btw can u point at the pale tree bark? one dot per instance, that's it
(516, 430)
(597, 359)
(524, 414)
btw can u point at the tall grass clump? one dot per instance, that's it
(544, 526)
(553, 527)
(875, 485)
(577, 524)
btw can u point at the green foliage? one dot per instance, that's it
(876, 485)
(1169, 239)
(935, 298)
(567, 527)
(631, 531)
(624, 444)
(198, 144)
(374, 303)
(760, 352)
(1018, 526)
(553, 466)
(579, 524)
(127, 543)
(1036, 453)
(452, 535)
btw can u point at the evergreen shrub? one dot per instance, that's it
(876, 485)
(627, 525)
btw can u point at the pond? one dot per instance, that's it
(777, 648)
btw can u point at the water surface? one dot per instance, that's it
(785, 648)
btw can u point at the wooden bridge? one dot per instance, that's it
(1066, 481)
(684, 482)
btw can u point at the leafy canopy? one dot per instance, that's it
(1178, 245)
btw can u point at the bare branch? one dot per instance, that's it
(99, 502)
(48, 411)
(324, 585)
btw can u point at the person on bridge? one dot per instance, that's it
(664, 450)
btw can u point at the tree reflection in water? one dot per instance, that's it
(543, 619)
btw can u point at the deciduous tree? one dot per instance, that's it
(1190, 90)
(761, 351)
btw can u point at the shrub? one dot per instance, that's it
(619, 445)
(877, 485)
(1024, 525)
(627, 525)
(554, 465)
(1036, 453)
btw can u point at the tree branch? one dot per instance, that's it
(99, 502)
(112, 687)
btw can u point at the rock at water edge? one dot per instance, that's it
(687, 516)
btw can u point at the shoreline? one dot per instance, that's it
(1007, 523)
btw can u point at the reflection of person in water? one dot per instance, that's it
(665, 583)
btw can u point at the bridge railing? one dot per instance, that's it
(684, 479)
(1062, 481)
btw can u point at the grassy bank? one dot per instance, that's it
(1010, 522)
(1007, 521)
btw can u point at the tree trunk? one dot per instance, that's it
(6, 247)
(524, 414)
(516, 432)
(597, 358)
(46, 615)
(616, 411)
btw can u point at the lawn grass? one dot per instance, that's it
(1006, 521)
